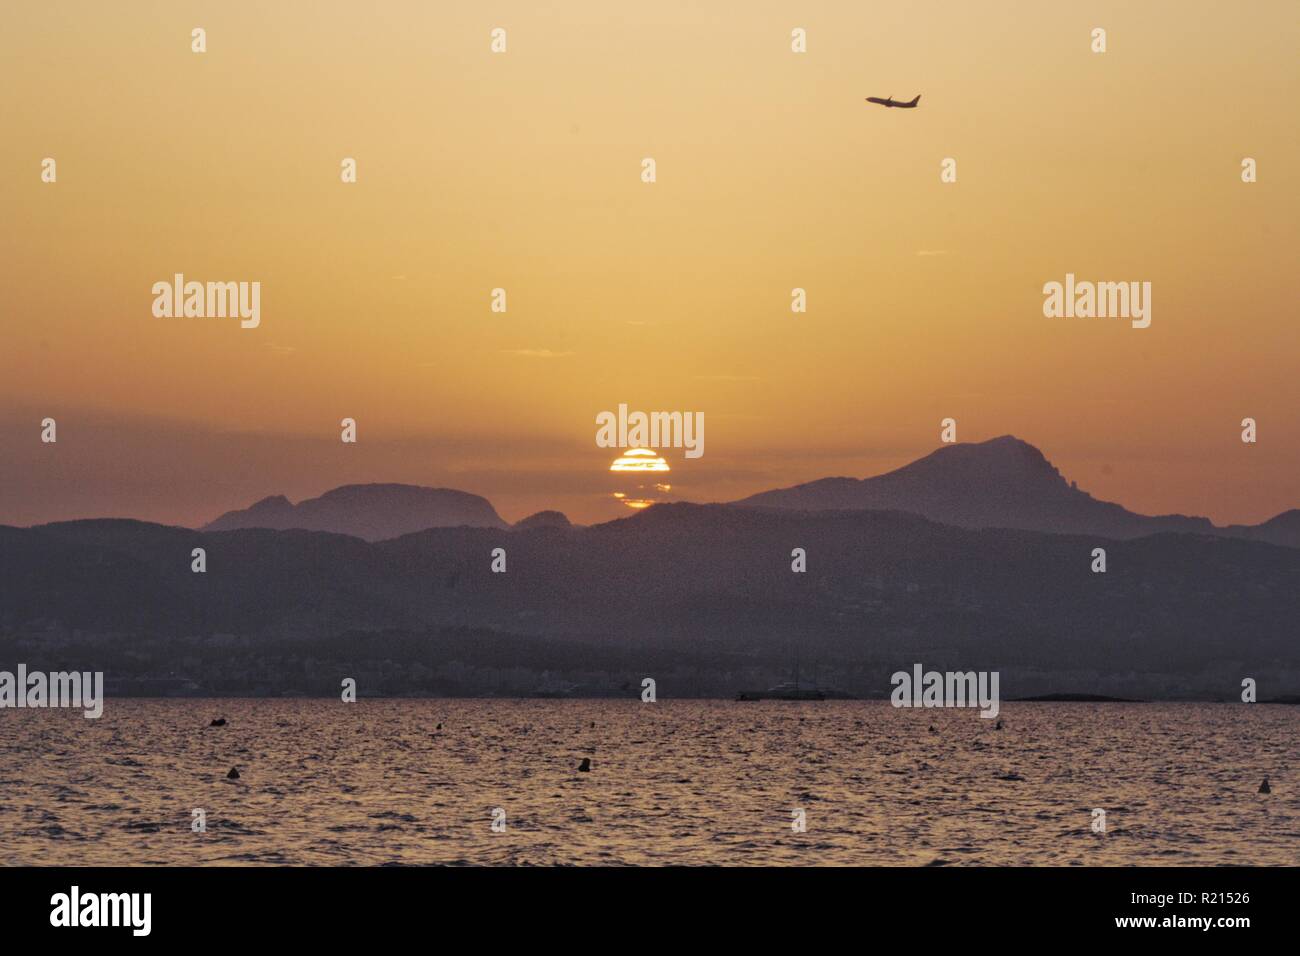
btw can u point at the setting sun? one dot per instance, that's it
(640, 459)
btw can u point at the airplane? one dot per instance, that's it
(890, 101)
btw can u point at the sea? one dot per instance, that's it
(671, 782)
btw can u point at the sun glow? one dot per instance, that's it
(640, 459)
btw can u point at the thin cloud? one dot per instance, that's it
(535, 353)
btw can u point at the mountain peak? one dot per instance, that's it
(1004, 458)
(1004, 482)
(543, 519)
(370, 511)
(1004, 447)
(272, 503)
(375, 488)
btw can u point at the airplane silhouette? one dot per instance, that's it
(890, 101)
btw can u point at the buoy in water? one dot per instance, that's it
(219, 722)
(585, 766)
(1264, 787)
(233, 775)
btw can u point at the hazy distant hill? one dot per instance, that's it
(1002, 483)
(543, 519)
(1283, 529)
(709, 584)
(371, 512)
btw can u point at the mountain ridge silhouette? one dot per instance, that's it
(1175, 614)
(372, 512)
(1003, 482)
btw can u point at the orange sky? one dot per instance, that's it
(521, 171)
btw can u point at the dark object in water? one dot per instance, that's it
(593, 723)
(585, 766)
(790, 690)
(998, 725)
(439, 727)
(1264, 787)
(932, 730)
(233, 775)
(219, 722)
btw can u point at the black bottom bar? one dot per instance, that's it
(661, 907)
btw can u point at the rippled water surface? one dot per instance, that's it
(687, 782)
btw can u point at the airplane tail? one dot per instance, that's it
(916, 100)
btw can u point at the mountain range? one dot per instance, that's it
(370, 512)
(705, 598)
(1000, 483)
(1003, 483)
